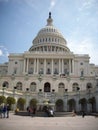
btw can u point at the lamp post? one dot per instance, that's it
(27, 90)
(78, 90)
(14, 89)
(66, 94)
(3, 90)
(53, 95)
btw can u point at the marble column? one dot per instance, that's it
(24, 69)
(52, 67)
(44, 66)
(27, 66)
(34, 66)
(59, 66)
(62, 66)
(37, 66)
(72, 66)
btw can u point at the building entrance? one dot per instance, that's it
(47, 87)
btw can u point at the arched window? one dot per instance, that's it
(19, 86)
(88, 86)
(75, 86)
(61, 88)
(47, 87)
(5, 84)
(33, 87)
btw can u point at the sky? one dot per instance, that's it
(21, 20)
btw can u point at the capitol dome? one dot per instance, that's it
(49, 35)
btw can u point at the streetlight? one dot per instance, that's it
(3, 89)
(27, 90)
(78, 90)
(66, 94)
(53, 95)
(14, 91)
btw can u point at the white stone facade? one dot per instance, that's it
(50, 71)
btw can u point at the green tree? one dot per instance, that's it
(92, 101)
(20, 103)
(2, 99)
(59, 105)
(72, 104)
(83, 103)
(33, 103)
(10, 101)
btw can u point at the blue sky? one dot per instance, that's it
(20, 21)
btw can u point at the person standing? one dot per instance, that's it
(1, 111)
(83, 114)
(8, 109)
(4, 111)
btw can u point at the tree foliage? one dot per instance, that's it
(20, 103)
(59, 102)
(82, 101)
(91, 100)
(33, 102)
(11, 100)
(2, 99)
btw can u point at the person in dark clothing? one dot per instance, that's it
(83, 114)
(8, 109)
(34, 111)
(4, 111)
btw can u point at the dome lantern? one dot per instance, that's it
(49, 20)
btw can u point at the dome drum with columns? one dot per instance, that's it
(49, 71)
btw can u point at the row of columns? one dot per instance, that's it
(36, 66)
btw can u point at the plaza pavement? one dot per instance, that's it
(16, 122)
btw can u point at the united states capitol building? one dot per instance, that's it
(49, 72)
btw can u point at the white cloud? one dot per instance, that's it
(85, 46)
(86, 4)
(52, 4)
(3, 51)
(81, 46)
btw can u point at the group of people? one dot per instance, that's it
(49, 111)
(4, 110)
(31, 110)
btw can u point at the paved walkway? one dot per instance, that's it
(48, 123)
